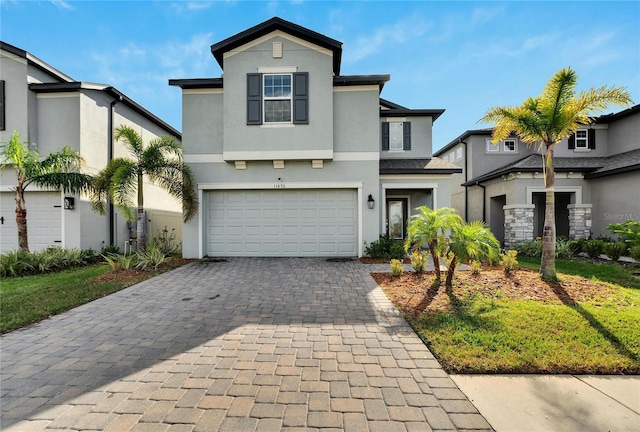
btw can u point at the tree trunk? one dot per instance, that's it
(450, 271)
(141, 238)
(548, 262)
(433, 246)
(21, 219)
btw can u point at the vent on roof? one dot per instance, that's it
(277, 50)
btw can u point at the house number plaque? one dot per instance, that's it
(279, 186)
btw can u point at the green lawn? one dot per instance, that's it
(499, 335)
(29, 299)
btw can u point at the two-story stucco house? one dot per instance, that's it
(294, 159)
(51, 110)
(597, 180)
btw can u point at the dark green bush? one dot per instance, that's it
(614, 250)
(530, 248)
(628, 232)
(385, 248)
(593, 247)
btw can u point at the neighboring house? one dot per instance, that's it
(51, 110)
(293, 159)
(597, 180)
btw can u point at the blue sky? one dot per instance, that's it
(461, 56)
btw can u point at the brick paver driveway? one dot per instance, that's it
(243, 345)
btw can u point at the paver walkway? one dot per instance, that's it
(245, 345)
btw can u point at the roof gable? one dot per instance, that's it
(278, 24)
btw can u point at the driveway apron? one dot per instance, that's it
(246, 344)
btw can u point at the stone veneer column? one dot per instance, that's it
(579, 221)
(518, 224)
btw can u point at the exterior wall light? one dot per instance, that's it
(69, 203)
(371, 202)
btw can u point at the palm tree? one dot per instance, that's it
(122, 179)
(430, 227)
(556, 114)
(59, 170)
(470, 241)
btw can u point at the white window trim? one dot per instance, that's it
(515, 145)
(490, 148)
(585, 139)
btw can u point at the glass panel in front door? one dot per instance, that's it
(396, 219)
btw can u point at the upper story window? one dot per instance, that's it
(510, 146)
(396, 136)
(459, 153)
(278, 98)
(583, 140)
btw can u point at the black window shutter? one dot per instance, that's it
(592, 139)
(572, 141)
(301, 98)
(1, 104)
(254, 99)
(406, 136)
(385, 135)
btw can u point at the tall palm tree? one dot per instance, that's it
(556, 114)
(471, 241)
(430, 227)
(122, 179)
(59, 170)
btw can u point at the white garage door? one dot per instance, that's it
(44, 220)
(282, 223)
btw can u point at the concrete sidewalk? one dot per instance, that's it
(580, 403)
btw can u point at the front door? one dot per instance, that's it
(397, 218)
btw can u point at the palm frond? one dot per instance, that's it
(132, 140)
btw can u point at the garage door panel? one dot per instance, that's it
(44, 220)
(282, 223)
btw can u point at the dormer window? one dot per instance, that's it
(277, 98)
(274, 98)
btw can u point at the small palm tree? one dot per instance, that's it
(430, 227)
(122, 179)
(556, 114)
(58, 171)
(471, 241)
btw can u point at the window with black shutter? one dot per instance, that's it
(278, 98)
(396, 136)
(582, 139)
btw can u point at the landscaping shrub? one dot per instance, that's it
(109, 250)
(614, 250)
(476, 266)
(419, 260)
(628, 232)
(530, 248)
(565, 248)
(634, 252)
(20, 263)
(165, 241)
(385, 248)
(151, 257)
(119, 262)
(509, 261)
(593, 248)
(396, 268)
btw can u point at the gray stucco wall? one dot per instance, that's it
(421, 139)
(279, 140)
(624, 134)
(611, 206)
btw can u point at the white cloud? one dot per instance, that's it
(483, 15)
(62, 4)
(382, 38)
